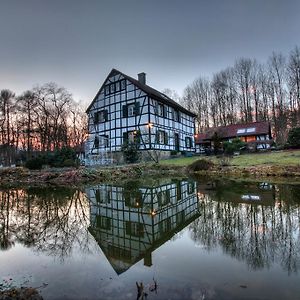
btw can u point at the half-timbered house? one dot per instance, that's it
(128, 110)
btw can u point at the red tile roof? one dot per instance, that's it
(235, 130)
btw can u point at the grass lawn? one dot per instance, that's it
(280, 158)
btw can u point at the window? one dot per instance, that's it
(163, 198)
(132, 137)
(115, 87)
(188, 142)
(190, 188)
(103, 222)
(101, 116)
(240, 131)
(112, 88)
(132, 109)
(103, 195)
(161, 137)
(134, 229)
(160, 109)
(101, 141)
(133, 198)
(250, 130)
(123, 84)
(165, 225)
(176, 115)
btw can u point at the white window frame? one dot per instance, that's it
(160, 109)
(131, 110)
(161, 137)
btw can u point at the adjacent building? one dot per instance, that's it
(256, 134)
(127, 110)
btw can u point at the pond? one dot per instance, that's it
(179, 239)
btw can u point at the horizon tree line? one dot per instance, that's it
(42, 119)
(248, 91)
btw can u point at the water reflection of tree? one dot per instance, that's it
(256, 233)
(47, 220)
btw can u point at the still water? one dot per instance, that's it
(181, 238)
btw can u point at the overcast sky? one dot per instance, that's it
(77, 43)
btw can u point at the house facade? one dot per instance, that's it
(129, 222)
(127, 110)
(256, 134)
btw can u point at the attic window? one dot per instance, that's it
(246, 130)
(239, 131)
(115, 87)
(249, 130)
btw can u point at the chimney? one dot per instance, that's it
(142, 78)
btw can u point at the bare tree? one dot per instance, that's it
(7, 106)
(27, 104)
(293, 74)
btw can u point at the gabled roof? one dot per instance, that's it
(153, 93)
(235, 130)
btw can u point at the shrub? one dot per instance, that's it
(293, 140)
(233, 146)
(35, 163)
(130, 152)
(64, 157)
(69, 163)
(200, 165)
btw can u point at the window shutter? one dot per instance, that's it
(137, 108)
(125, 111)
(165, 111)
(179, 116)
(96, 142)
(125, 137)
(106, 115)
(96, 118)
(157, 137)
(166, 138)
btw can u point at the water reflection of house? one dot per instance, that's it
(129, 222)
(246, 192)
